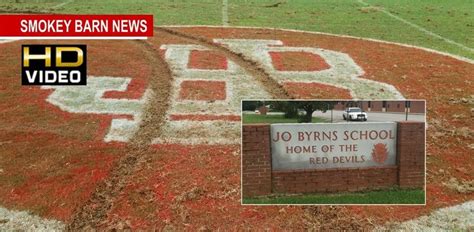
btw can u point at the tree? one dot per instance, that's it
(251, 105)
(292, 108)
(310, 107)
(287, 107)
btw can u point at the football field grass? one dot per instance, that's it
(446, 26)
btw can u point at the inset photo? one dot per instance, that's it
(338, 152)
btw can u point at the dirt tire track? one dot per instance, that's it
(328, 218)
(158, 104)
(93, 213)
(250, 66)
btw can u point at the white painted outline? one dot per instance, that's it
(343, 71)
(28, 221)
(93, 102)
(204, 132)
(422, 29)
(178, 56)
(176, 127)
(429, 222)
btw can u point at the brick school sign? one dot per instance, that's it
(337, 145)
(303, 158)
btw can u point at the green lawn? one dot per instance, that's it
(450, 19)
(393, 196)
(453, 19)
(257, 118)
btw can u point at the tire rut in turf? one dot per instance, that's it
(250, 66)
(93, 214)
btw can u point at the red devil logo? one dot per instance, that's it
(379, 153)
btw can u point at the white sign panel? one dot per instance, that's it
(333, 145)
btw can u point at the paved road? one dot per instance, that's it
(372, 116)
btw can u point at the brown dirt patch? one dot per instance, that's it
(207, 60)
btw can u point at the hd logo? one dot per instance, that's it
(54, 65)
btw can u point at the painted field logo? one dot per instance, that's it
(205, 95)
(212, 116)
(54, 65)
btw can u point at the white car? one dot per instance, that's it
(354, 113)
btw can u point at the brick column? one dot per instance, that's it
(256, 160)
(411, 154)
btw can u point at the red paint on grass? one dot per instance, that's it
(203, 90)
(195, 186)
(55, 186)
(298, 61)
(103, 121)
(208, 60)
(135, 90)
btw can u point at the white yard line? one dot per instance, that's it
(225, 14)
(13, 220)
(62, 4)
(430, 33)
